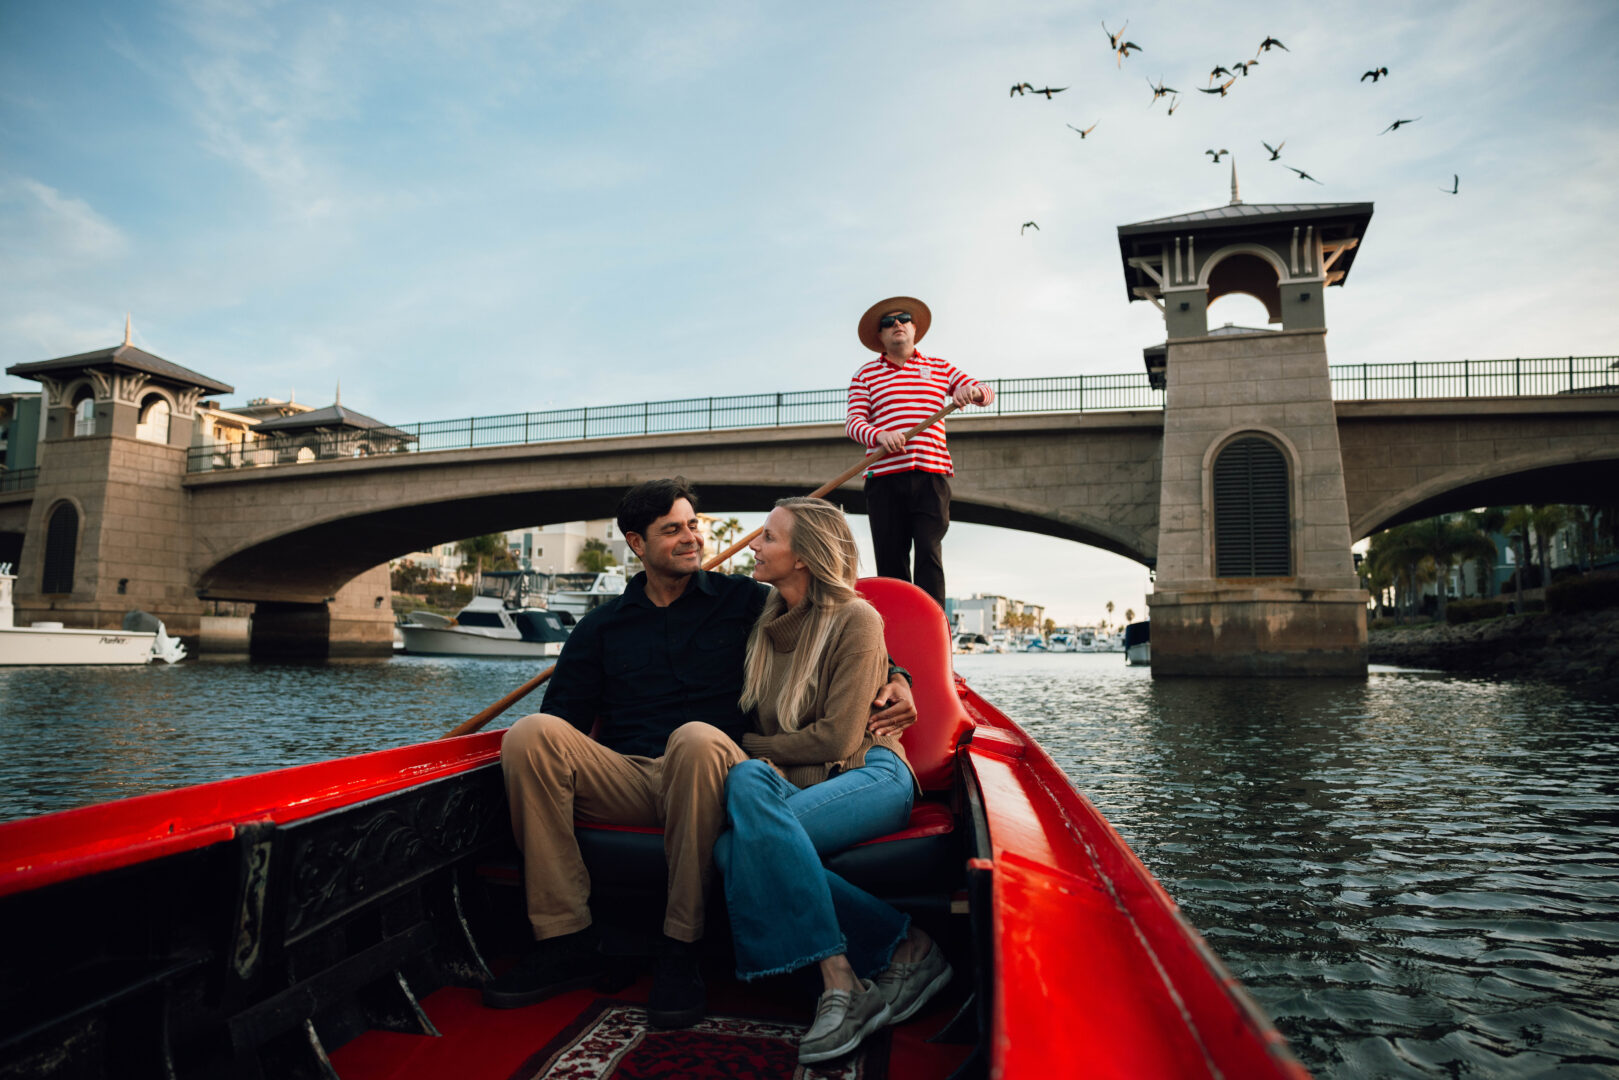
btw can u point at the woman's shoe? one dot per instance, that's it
(906, 987)
(842, 1019)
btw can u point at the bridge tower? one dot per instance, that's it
(1254, 574)
(110, 526)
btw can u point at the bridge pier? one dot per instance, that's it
(357, 622)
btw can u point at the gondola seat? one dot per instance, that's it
(920, 863)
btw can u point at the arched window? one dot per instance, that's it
(306, 454)
(154, 419)
(84, 415)
(61, 547)
(1252, 534)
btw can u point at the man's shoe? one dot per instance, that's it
(842, 1020)
(677, 999)
(908, 987)
(553, 966)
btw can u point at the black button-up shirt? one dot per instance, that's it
(645, 670)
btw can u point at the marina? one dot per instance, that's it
(1455, 909)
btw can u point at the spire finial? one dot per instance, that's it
(339, 400)
(1236, 200)
(126, 328)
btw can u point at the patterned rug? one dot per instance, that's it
(611, 1040)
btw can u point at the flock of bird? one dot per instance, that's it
(1122, 49)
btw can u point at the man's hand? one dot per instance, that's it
(894, 708)
(973, 395)
(891, 441)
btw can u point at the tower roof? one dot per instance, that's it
(127, 357)
(1338, 227)
(1237, 214)
(332, 416)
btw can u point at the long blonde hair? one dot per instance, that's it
(820, 537)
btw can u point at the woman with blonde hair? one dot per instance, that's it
(819, 781)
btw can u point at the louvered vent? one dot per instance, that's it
(1250, 511)
(61, 542)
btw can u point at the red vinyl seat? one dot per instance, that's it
(922, 858)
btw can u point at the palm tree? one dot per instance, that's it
(1398, 552)
(1109, 613)
(1448, 539)
(1541, 522)
(595, 556)
(1129, 615)
(489, 550)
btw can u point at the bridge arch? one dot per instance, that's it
(1559, 474)
(314, 557)
(1250, 269)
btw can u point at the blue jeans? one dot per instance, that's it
(787, 910)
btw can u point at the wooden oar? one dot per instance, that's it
(478, 721)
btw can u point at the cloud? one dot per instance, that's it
(44, 232)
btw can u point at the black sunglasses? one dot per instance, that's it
(887, 321)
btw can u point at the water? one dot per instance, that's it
(1415, 875)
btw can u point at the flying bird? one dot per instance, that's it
(1244, 65)
(1455, 185)
(1217, 72)
(1124, 51)
(1082, 131)
(1275, 151)
(1159, 91)
(1264, 46)
(1221, 89)
(1375, 74)
(1028, 225)
(1396, 125)
(1113, 39)
(1020, 87)
(1174, 103)
(1303, 175)
(1216, 155)
(1049, 90)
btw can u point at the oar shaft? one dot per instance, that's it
(478, 721)
(832, 485)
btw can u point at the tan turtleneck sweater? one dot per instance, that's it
(832, 733)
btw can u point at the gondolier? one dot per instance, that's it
(908, 492)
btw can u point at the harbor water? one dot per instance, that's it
(1415, 875)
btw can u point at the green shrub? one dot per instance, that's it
(1587, 593)
(1466, 611)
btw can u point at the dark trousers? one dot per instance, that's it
(906, 509)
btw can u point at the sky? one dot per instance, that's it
(461, 209)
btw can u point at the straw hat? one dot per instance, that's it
(921, 319)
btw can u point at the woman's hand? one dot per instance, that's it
(894, 708)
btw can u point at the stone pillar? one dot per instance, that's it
(352, 623)
(1274, 385)
(134, 541)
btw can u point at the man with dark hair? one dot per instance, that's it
(660, 670)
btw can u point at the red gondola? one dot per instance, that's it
(337, 919)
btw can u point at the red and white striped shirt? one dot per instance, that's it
(884, 397)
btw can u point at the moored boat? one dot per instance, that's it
(141, 640)
(336, 919)
(512, 616)
(1138, 644)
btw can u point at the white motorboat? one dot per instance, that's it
(142, 639)
(971, 643)
(1061, 641)
(510, 617)
(578, 593)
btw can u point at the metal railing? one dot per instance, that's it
(18, 479)
(1520, 377)
(1541, 376)
(1065, 393)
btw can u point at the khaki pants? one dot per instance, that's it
(555, 774)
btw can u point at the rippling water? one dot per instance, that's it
(1416, 875)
